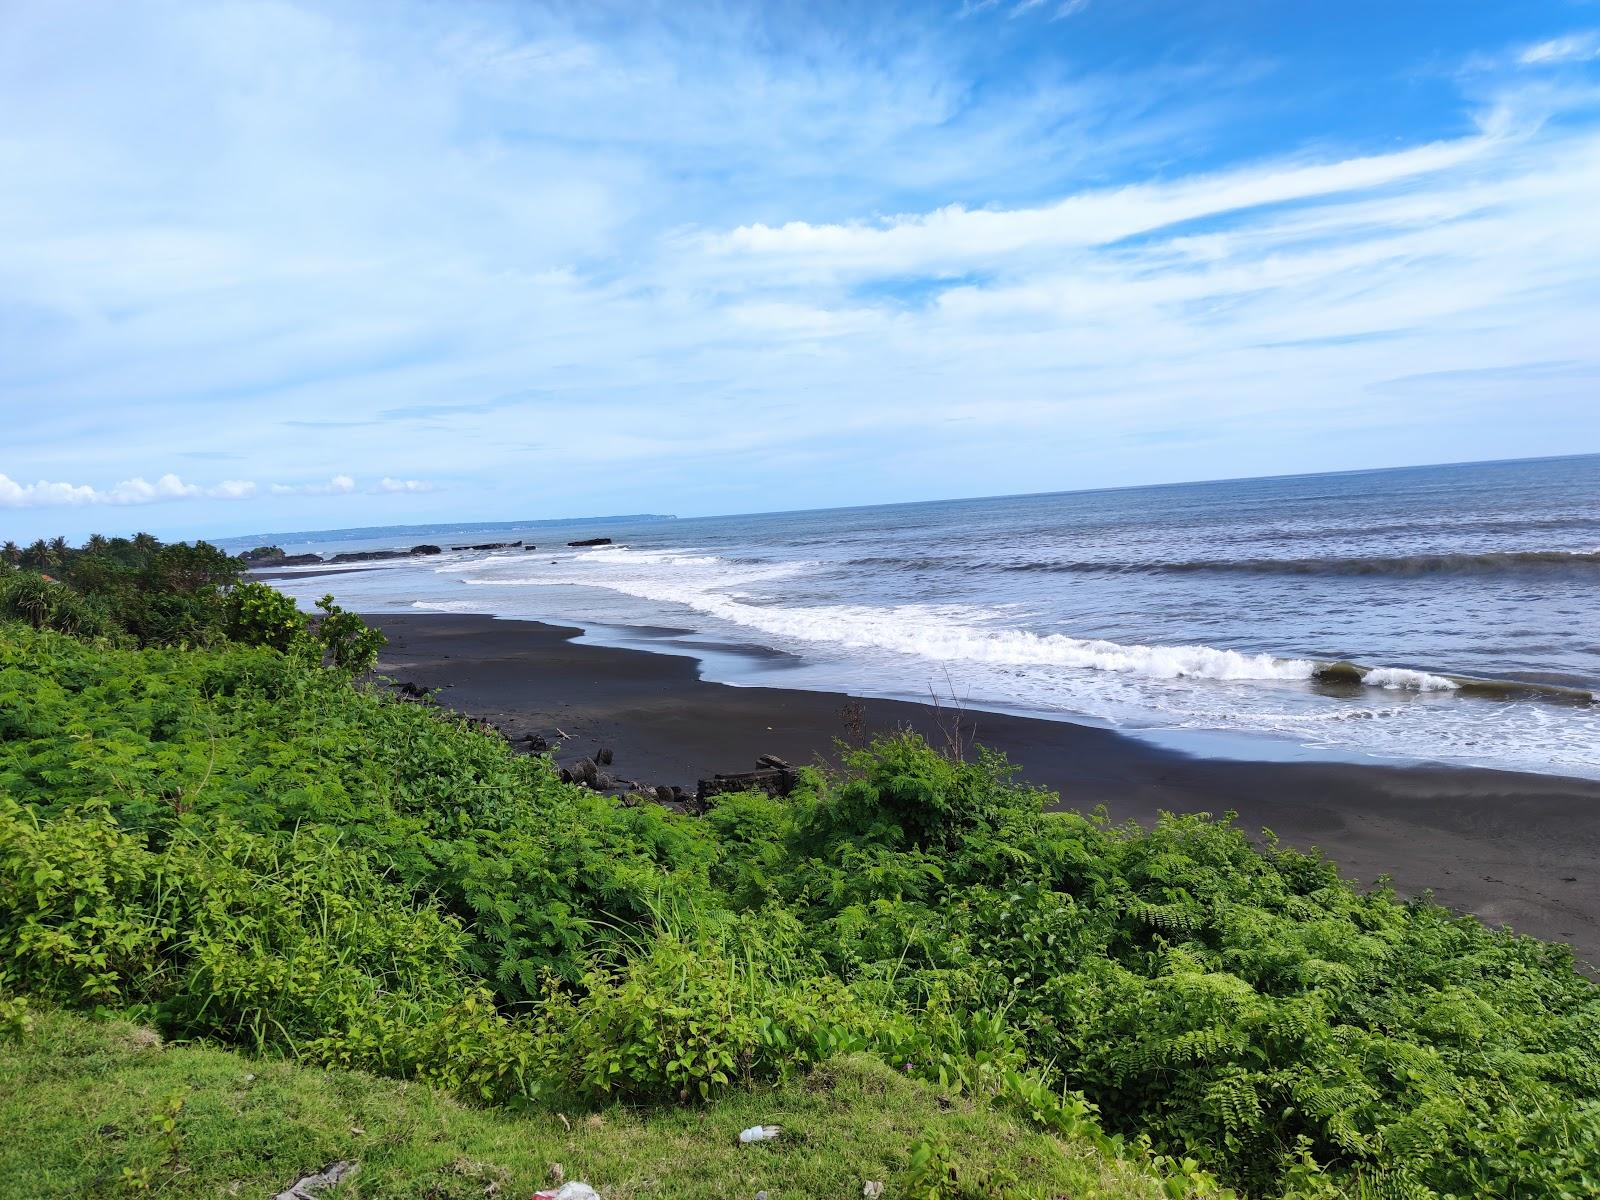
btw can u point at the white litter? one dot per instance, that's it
(576, 1190)
(760, 1133)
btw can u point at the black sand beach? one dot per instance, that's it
(1512, 848)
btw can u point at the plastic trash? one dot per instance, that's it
(760, 1133)
(310, 1185)
(872, 1189)
(576, 1190)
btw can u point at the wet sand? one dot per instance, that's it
(1515, 849)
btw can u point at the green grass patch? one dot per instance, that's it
(104, 1109)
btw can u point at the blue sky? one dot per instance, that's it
(287, 266)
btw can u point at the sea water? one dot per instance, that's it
(1178, 612)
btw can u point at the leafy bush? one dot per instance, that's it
(259, 615)
(344, 641)
(47, 604)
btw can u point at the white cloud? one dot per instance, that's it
(339, 485)
(1575, 47)
(46, 494)
(957, 238)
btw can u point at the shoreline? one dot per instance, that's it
(1511, 848)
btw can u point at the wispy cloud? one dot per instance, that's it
(1574, 47)
(404, 485)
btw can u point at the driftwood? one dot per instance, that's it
(775, 781)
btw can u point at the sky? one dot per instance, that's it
(271, 266)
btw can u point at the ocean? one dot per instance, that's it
(1197, 615)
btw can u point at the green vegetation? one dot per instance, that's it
(234, 846)
(129, 589)
(137, 591)
(88, 1106)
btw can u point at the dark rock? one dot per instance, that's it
(412, 692)
(592, 542)
(536, 743)
(350, 556)
(490, 546)
(1338, 672)
(425, 548)
(603, 756)
(773, 761)
(665, 795)
(281, 560)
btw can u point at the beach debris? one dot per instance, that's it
(576, 1190)
(310, 1185)
(760, 1133)
(872, 1189)
(591, 542)
(556, 1174)
(774, 780)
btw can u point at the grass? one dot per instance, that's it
(101, 1108)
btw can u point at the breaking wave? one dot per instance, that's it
(943, 633)
(1493, 563)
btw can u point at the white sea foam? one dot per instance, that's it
(943, 633)
(1400, 679)
(449, 606)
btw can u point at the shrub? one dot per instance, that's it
(344, 641)
(48, 604)
(259, 615)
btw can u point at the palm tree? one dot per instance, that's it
(146, 543)
(96, 544)
(12, 553)
(37, 555)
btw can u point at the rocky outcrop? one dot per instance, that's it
(517, 545)
(592, 542)
(425, 548)
(261, 562)
(350, 556)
